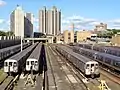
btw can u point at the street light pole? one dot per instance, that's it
(21, 42)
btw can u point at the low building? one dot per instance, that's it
(83, 35)
(100, 27)
(68, 36)
(116, 40)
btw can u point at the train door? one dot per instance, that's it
(10, 66)
(15, 68)
(92, 68)
(36, 65)
(97, 68)
(6, 66)
(87, 69)
(32, 65)
(27, 65)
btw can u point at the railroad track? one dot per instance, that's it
(54, 81)
(111, 75)
(4, 77)
(90, 84)
(74, 74)
(8, 82)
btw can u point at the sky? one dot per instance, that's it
(85, 14)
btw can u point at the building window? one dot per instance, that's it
(69, 34)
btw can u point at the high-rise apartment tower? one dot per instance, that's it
(50, 21)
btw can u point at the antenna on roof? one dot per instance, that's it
(17, 5)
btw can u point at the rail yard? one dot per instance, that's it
(42, 66)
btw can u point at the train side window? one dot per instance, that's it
(27, 62)
(10, 63)
(6, 64)
(117, 64)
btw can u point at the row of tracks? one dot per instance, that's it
(88, 83)
(52, 72)
(11, 83)
(72, 75)
(106, 75)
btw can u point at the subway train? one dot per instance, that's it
(16, 64)
(87, 66)
(33, 61)
(8, 43)
(108, 61)
(107, 49)
(6, 52)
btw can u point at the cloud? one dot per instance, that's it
(4, 24)
(116, 21)
(8, 22)
(2, 3)
(94, 23)
(35, 19)
(87, 23)
(2, 21)
(80, 22)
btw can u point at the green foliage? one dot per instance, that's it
(9, 33)
(115, 31)
(108, 33)
(2, 33)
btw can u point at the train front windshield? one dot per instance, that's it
(96, 65)
(36, 62)
(87, 66)
(6, 64)
(15, 64)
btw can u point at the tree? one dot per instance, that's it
(115, 31)
(2, 33)
(105, 33)
(9, 33)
